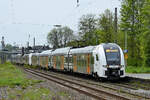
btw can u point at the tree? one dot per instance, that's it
(87, 26)
(53, 38)
(9, 47)
(87, 23)
(67, 35)
(106, 26)
(97, 30)
(145, 38)
(132, 25)
(59, 37)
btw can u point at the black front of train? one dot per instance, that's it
(113, 60)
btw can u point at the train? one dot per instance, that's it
(105, 60)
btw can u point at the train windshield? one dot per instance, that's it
(113, 57)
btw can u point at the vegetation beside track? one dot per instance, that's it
(12, 76)
(19, 87)
(27, 66)
(132, 69)
(30, 94)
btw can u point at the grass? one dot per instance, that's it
(133, 69)
(27, 89)
(12, 76)
(27, 66)
(36, 93)
(63, 93)
(31, 94)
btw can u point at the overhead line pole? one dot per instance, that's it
(116, 26)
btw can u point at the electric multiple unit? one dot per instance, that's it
(105, 60)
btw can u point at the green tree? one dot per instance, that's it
(53, 38)
(9, 47)
(106, 26)
(67, 35)
(87, 26)
(131, 24)
(59, 37)
(145, 38)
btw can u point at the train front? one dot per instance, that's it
(112, 65)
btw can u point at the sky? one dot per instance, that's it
(19, 18)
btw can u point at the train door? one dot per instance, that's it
(54, 62)
(74, 63)
(66, 62)
(96, 62)
(62, 62)
(70, 62)
(50, 61)
(46, 61)
(88, 69)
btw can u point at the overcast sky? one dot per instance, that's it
(19, 18)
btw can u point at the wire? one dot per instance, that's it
(72, 13)
(77, 10)
(12, 11)
(14, 21)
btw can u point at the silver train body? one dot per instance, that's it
(105, 60)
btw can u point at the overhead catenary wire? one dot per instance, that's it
(77, 10)
(74, 12)
(12, 11)
(14, 21)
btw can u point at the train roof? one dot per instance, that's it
(88, 49)
(61, 51)
(26, 55)
(18, 55)
(47, 52)
(35, 54)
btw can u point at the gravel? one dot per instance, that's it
(58, 92)
(57, 89)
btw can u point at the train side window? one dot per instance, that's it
(70, 59)
(97, 59)
(49, 59)
(92, 59)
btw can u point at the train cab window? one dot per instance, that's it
(97, 59)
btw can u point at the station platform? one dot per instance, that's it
(141, 76)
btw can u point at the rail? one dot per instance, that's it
(83, 88)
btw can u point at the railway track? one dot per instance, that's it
(122, 83)
(123, 89)
(137, 83)
(96, 93)
(115, 86)
(132, 86)
(94, 82)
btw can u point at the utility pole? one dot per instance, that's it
(126, 40)
(27, 44)
(29, 40)
(125, 45)
(77, 3)
(2, 53)
(116, 26)
(3, 43)
(34, 44)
